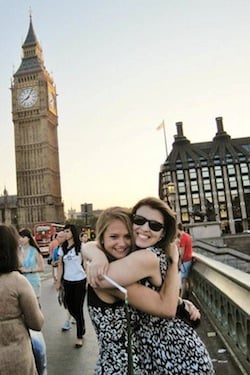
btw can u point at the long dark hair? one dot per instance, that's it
(168, 215)
(9, 260)
(27, 233)
(76, 240)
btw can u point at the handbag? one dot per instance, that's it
(61, 297)
(182, 312)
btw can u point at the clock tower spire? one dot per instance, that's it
(34, 113)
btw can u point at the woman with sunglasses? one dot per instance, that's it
(162, 346)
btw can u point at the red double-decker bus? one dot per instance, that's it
(43, 233)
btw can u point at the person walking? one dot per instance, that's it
(83, 237)
(32, 262)
(19, 309)
(186, 259)
(71, 276)
(53, 245)
(54, 263)
(55, 254)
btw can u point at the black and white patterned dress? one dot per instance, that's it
(168, 346)
(159, 346)
(110, 323)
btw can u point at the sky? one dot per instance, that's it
(121, 67)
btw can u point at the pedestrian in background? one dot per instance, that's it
(72, 277)
(53, 243)
(186, 257)
(32, 262)
(83, 237)
(54, 263)
(19, 310)
(55, 254)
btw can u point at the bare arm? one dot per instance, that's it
(59, 273)
(32, 314)
(125, 271)
(141, 264)
(162, 303)
(40, 263)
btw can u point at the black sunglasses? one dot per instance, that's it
(153, 225)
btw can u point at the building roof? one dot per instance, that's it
(221, 150)
(32, 60)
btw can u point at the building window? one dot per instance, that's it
(245, 181)
(232, 182)
(208, 196)
(246, 147)
(217, 160)
(206, 184)
(183, 200)
(196, 198)
(221, 196)
(181, 187)
(223, 211)
(205, 172)
(192, 174)
(191, 163)
(180, 175)
(230, 169)
(184, 215)
(217, 171)
(194, 185)
(229, 158)
(219, 183)
(243, 168)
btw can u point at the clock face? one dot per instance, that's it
(27, 97)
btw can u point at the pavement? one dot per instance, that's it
(64, 359)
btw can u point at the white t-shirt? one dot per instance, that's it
(73, 270)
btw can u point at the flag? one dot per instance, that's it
(161, 126)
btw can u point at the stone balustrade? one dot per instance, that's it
(224, 293)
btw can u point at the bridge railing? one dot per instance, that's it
(224, 293)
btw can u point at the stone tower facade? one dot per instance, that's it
(34, 113)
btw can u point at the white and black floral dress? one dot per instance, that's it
(110, 323)
(168, 346)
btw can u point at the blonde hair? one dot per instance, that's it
(107, 216)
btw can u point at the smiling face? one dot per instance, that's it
(117, 240)
(144, 235)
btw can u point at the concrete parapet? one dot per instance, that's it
(224, 293)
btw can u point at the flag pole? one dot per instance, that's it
(165, 138)
(162, 126)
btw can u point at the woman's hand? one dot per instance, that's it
(194, 313)
(58, 284)
(95, 263)
(96, 268)
(173, 253)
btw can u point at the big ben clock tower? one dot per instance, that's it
(35, 121)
